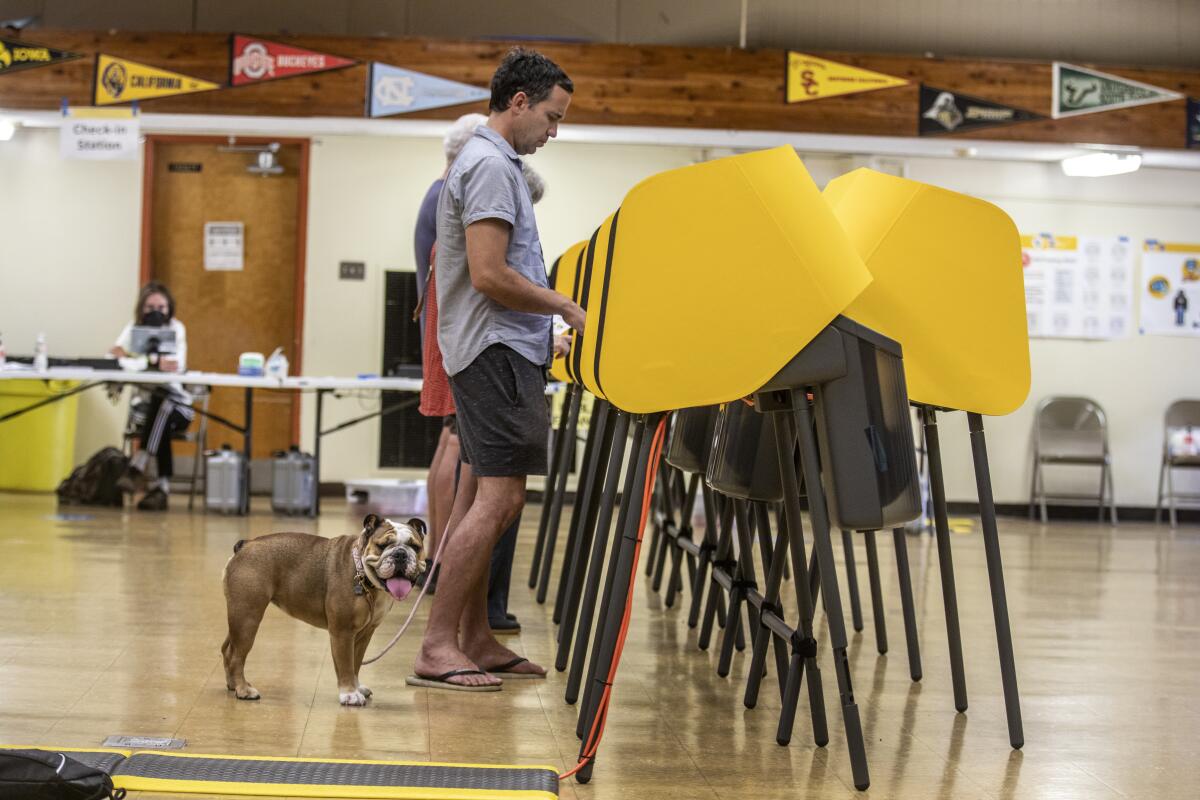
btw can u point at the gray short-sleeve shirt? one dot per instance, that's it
(485, 182)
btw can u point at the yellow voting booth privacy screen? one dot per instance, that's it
(565, 278)
(947, 286)
(708, 280)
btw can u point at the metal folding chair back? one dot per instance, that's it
(1071, 431)
(1181, 415)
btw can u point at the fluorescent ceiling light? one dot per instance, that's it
(1098, 165)
(7, 129)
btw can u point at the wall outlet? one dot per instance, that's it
(352, 270)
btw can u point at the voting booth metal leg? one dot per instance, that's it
(544, 548)
(715, 611)
(552, 502)
(856, 616)
(834, 616)
(945, 559)
(904, 573)
(991, 543)
(591, 592)
(708, 547)
(587, 494)
(742, 581)
(594, 535)
(881, 641)
(582, 528)
(617, 591)
(683, 543)
(247, 437)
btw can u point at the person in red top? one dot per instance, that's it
(449, 484)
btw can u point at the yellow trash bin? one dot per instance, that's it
(37, 449)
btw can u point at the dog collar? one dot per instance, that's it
(361, 578)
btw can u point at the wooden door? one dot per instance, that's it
(194, 180)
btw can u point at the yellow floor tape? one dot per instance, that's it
(192, 773)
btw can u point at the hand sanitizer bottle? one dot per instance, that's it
(41, 360)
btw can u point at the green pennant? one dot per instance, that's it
(1078, 90)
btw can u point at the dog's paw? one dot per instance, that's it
(355, 698)
(247, 693)
(364, 691)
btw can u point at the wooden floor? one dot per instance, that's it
(110, 623)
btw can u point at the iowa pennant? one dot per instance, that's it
(119, 80)
(254, 60)
(1078, 90)
(812, 78)
(393, 90)
(943, 111)
(17, 55)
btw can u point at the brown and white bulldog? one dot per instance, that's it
(344, 585)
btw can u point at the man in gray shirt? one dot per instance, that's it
(494, 310)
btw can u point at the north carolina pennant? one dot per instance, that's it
(119, 80)
(943, 111)
(392, 90)
(812, 78)
(17, 55)
(1078, 90)
(254, 60)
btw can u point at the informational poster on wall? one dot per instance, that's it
(1078, 287)
(224, 245)
(1170, 290)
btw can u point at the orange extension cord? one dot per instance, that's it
(597, 731)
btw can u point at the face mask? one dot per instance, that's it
(154, 319)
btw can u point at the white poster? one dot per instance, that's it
(1170, 289)
(224, 245)
(99, 135)
(1078, 287)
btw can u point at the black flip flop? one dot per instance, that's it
(442, 681)
(504, 671)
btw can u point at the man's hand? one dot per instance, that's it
(168, 364)
(562, 346)
(574, 316)
(116, 351)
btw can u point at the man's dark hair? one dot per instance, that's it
(526, 71)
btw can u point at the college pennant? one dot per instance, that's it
(253, 60)
(1078, 90)
(119, 80)
(943, 111)
(17, 55)
(392, 90)
(812, 78)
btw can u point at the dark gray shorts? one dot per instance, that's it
(503, 420)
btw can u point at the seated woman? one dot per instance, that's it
(158, 411)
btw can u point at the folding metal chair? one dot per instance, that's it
(1071, 431)
(1182, 416)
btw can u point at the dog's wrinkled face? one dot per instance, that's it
(393, 553)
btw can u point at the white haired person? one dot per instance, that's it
(440, 484)
(457, 483)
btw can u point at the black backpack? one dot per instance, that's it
(95, 482)
(47, 775)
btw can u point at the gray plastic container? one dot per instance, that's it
(743, 461)
(293, 482)
(868, 459)
(223, 481)
(691, 438)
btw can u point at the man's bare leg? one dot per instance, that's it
(440, 487)
(464, 577)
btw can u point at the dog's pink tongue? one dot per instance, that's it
(399, 587)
